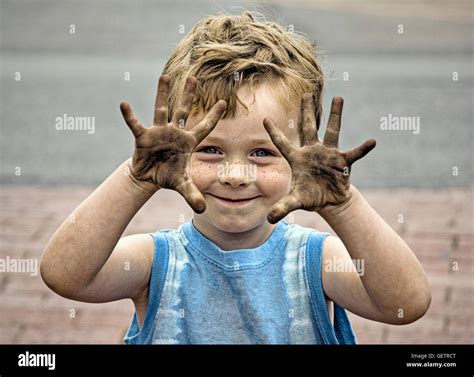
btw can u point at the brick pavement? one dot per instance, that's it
(437, 224)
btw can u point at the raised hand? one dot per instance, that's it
(162, 152)
(320, 170)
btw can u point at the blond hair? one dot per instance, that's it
(225, 52)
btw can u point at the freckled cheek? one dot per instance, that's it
(275, 180)
(202, 173)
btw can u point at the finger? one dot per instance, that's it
(205, 126)
(132, 122)
(192, 195)
(182, 112)
(308, 130)
(161, 102)
(283, 207)
(278, 137)
(357, 153)
(331, 137)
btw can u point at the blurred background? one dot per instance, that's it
(404, 58)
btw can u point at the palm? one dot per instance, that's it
(318, 176)
(162, 152)
(161, 156)
(320, 171)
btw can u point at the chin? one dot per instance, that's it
(237, 224)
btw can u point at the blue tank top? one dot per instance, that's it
(273, 294)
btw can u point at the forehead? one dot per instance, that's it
(250, 125)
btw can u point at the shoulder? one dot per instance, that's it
(147, 248)
(332, 245)
(293, 230)
(163, 238)
(306, 240)
(334, 252)
(303, 233)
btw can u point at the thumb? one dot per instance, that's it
(192, 195)
(283, 207)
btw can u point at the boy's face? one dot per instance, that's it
(238, 160)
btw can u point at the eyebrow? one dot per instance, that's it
(254, 141)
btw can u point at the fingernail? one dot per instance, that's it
(200, 208)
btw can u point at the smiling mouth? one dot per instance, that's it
(234, 201)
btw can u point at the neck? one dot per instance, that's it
(250, 239)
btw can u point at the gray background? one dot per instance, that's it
(81, 74)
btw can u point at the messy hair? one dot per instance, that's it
(225, 52)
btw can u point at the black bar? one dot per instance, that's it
(157, 360)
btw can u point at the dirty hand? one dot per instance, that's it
(162, 152)
(320, 170)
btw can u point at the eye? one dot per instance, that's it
(263, 153)
(209, 150)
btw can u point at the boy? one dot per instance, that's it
(238, 273)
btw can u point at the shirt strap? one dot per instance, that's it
(341, 332)
(135, 335)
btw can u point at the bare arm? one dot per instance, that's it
(86, 260)
(84, 242)
(392, 287)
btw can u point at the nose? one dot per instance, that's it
(234, 174)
